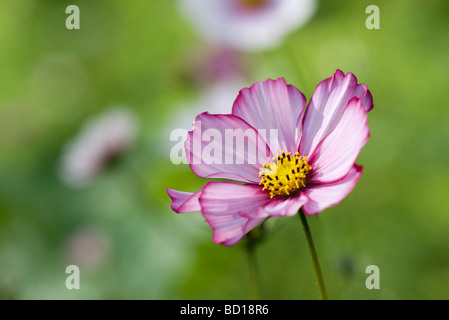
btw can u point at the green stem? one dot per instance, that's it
(313, 256)
(253, 273)
(293, 57)
(253, 238)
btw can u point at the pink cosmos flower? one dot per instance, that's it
(311, 164)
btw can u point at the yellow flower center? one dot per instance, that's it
(285, 175)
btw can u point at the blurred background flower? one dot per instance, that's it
(136, 54)
(87, 248)
(101, 141)
(247, 25)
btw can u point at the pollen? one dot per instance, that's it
(285, 175)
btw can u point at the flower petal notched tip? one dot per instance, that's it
(336, 154)
(361, 89)
(273, 105)
(184, 201)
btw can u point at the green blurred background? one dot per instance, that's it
(135, 53)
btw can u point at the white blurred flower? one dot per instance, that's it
(248, 25)
(99, 141)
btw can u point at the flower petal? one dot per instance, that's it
(225, 146)
(184, 201)
(336, 153)
(322, 196)
(326, 107)
(285, 207)
(225, 206)
(273, 105)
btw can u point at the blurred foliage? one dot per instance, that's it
(134, 54)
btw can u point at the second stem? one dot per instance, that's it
(313, 256)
